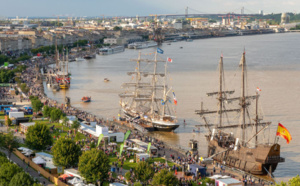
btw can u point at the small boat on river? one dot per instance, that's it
(86, 99)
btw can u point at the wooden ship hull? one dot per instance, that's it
(257, 161)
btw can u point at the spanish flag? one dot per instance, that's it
(284, 133)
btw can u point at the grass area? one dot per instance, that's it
(161, 160)
(1, 115)
(127, 165)
(62, 128)
(28, 116)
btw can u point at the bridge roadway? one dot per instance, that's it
(187, 15)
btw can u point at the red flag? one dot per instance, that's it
(169, 60)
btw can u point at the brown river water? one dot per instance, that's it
(273, 66)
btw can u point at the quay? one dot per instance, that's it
(32, 77)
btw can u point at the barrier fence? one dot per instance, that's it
(45, 173)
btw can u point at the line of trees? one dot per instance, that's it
(7, 75)
(13, 60)
(11, 174)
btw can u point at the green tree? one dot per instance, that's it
(8, 122)
(7, 172)
(2, 154)
(165, 177)
(37, 105)
(66, 153)
(9, 142)
(21, 178)
(3, 160)
(75, 125)
(55, 114)
(295, 181)
(77, 136)
(128, 176)
(46, 111)
(94, 165)
(137, 184)
(143, 171)
(38, 136)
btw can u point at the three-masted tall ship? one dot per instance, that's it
(62, 75)
(145, 100)
(239, 145)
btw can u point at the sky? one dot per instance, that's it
(80, 8)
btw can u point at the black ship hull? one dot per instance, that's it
(156, 125)
(166, 128)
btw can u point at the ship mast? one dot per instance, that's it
(256, 119)
(138, 74)
(154, 85)
(243, 100)
(220, 91)
(165, 91)
(56, 53)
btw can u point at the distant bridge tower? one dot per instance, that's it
(186, 12)
(242, 10)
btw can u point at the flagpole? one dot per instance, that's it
(276, 134)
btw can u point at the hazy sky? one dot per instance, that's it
(140, 7)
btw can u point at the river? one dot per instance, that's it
(273, 65)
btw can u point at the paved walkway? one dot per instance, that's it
(29, 170)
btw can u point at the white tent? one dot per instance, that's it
(140, 150)
(135, 148)
(39, 160)
(80, 184)
(75, 180)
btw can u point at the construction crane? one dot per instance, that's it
(57, 19)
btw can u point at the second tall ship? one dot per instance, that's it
(145, 100)
(239, 144)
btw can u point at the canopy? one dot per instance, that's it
(129, 148)
(80, 184)
(112, 144)
(75, 180)
(135, 148)
(64, 176)
(39, 160)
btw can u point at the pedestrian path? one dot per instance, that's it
(34, 174)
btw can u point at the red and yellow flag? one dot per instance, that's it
(284, 133)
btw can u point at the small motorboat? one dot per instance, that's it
(86, 99)
(106, 80)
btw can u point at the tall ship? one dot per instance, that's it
(239, 144)
(90, 54)
(110, 50)
(62, 75)
(146, 99)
